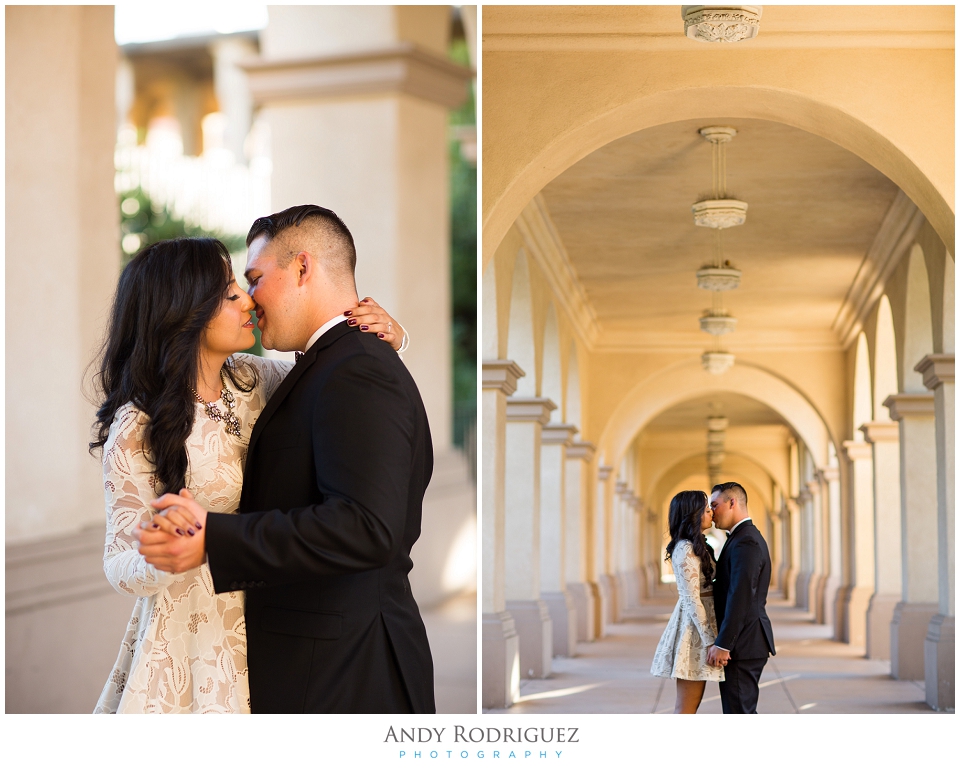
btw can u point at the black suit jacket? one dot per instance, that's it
(332, 496)
(740, 595)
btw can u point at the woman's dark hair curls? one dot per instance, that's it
(166, 296)
(686, 519)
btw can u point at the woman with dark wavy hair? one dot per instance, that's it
(179, 402)
(692, 629)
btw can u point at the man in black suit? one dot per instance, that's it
(336, 470)
(744, 637)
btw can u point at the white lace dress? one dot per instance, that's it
(682, 651)
(185, 648)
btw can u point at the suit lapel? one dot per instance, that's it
(726, 544)
(309, 357)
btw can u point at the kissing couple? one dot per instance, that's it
(719, 629)
(262, 512)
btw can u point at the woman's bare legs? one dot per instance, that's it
(689, 694)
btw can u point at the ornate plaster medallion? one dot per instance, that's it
(717, 362)
(721, 23)
(719, 214)
(718, 278)
(717, 324)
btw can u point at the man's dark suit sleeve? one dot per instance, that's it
(363, 429)
(741, 593)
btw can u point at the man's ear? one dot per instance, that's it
(303, 264)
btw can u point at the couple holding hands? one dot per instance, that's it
(719, 629)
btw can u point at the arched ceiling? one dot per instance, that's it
(740, 410)
(623, 214)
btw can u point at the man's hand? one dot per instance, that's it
(717, 658)
(174, 540)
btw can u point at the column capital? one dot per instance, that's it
(803, 497)
(501, 375)
(813, 487)
(881, 432)
(621, 487)
(400, 68)
(829, 474)
(858, 450)
(936, 370)
(583, 450)
(556, 434)
(529, 410)
(909, 404)
(603, 472)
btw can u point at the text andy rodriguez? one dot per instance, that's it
(490, 734)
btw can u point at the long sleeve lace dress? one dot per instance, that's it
(682, 651)
(185, 647)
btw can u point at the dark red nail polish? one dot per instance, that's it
(155, 526)
(352, 322)
(179, 532)
(380, 335)
(364, 328)
(348, 313)
(191, 532)
(199, 526)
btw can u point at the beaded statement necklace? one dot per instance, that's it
(231, 421)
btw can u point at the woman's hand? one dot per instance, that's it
(373, 319)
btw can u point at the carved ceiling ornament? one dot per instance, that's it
(721, 24)
(717, 361)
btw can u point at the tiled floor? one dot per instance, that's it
(810, 674)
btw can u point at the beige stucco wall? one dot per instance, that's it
(828, 84)
(62, 258)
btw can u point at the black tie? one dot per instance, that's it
(297, 356)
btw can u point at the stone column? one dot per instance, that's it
(553, 460)
(62, 259)
(817, 544)
(833, 554)
(233, 91)
(500, 644)
(918, 532)
(604, 531)
(356, 99)
(888, 576)
(621, 495)
(525, 420)
(856, 596)
(795, 548)
(581, 589)
(940, 643)
(803, 529)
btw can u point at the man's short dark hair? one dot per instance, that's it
(732, 489)
(332, 225)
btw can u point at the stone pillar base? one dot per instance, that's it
(582, 598)
(596, 614)
(535, 629)
(879, 617)
(620, 584)
(790, 584)
(908, 629)
(501, 661)
(563, 617)
(813, 596)
(643, 574)
(608, 588)
(856, 601)
(782, 579)
(939, 661)
(829, 586)
(840, 612)
(801, 596)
